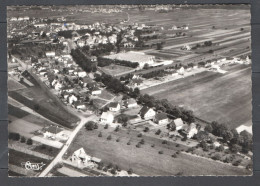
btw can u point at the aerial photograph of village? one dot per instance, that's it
(129, 90)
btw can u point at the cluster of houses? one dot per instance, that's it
(161, 118)
(70, 82)
(128, 41)
(94, 39)
(113, 108)
(25, 18)
(147, 113)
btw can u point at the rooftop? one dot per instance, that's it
(132, 56)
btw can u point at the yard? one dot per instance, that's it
(144, 160)
(212, 96)
(115, 70)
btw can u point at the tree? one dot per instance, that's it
(216, 157)
(160, 152)
(130, 171)
(36, 107)
(208, 128)
(235, 148)
(29, 141)
(227, 135)
(146, 66)
(90, 125)
(164, 142)
(109, 137)
(100, 134)
(16, 136)
(208, 43)
(159, 46)
(106, 126)
(117, 128)
(95, 126)
(203, 145)
(146, 129)
(174, 155)
(235, 138)
(158, 132)
(220, 148)
(202, 136)
(142, 141)
(23, 139)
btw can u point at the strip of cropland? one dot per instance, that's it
(211, 95)
(41, 102)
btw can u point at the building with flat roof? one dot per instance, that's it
(135, 57)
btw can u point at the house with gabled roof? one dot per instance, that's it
(178, 123)
(161, 118)
(96, 91)
(114, 106)
(147, 113)
(130, 103)
(52, 132)
(107, 118)
(191, 130)
(80, 156)
(79, 105)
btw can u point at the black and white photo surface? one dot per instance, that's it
(129, 90)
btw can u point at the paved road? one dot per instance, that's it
(58, 158)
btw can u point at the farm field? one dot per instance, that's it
(212, 96)
(47, 106)
(141, 160)
(24, 123)
(16, 158)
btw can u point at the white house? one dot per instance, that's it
(131, 103)
(186, 47)
(181, 71)
(147, 113)
(96, 91)
(57, 86)
(82, 74)
(107, 118)
(52, 132)
(72, 98)
(114, 106)
(178, 123)
(50, 54)
(161, 118)
(81, 159)
(79, 105)
(192, 130)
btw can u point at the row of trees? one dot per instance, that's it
(17, 137)
(156, 73)
(83, 61)
(102, 49)
(164, 105)
(105, 62)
